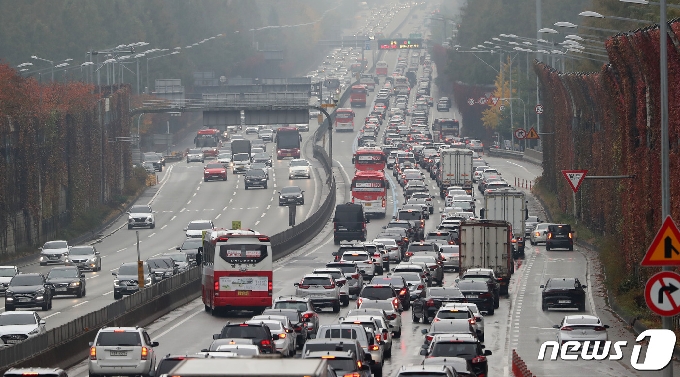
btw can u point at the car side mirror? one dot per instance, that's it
(178, 248)
(154, 344)
(185, 229)
(542, 286)
(335, 254)
(40, 248)
(423, 352)
(487, 353)
(216, 336)
(296, 284)
(276, 336)
(363, 272)
(82, 275)
(113, 273)
(96, 253)
(42, 322)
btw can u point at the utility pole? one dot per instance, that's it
(538, 57)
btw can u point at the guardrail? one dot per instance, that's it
(529, 155)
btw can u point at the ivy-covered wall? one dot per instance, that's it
(609, 123)
(61, 154)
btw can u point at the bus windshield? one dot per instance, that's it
(288, 139)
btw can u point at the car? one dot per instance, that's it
(304, 306)
(162, 267)
(67, 280)
(423, 370)
(412, 231)
(123, 351)
(383, 309)
(258, 333)
(391, 246)
(126, 279)
(149, 167)
(462, 367)
(460, 345)
(340, 280)
(426, 305)
(297, 322)
(563, 293)
(240, 162)
(262, 158)
(480, 293)
(475, 145)
(195, 155)
(433, 265)
(36, 372)
(476, 317)
(321, 289)
(155, 159)
(214, 171)
(417, 248)
(530, 223)
(539, 233)
(262, 166)
(427, 199)
(559, 236)
(303, 127)
(84, 257)
(54, 252)
(238, 347)
(355, 279)
(282, 334)
(380, 258)
(169, 362)
(266, 135)
(251, 130)
(190, 248)
(291, 195)
(343, 362)
(28, 291)
(6, 275)
(378, 325)
(349, 223)
(16, 327)
(338, 344)
(196, 228)
(449, 326)
(255, 178)
(582, 328)
(365, 337)
(400, 286)
(224, 159)
(487, 276)
(257, 143)
(299, 168)
(141, 216)
(451, 255)
(362, 259)
(380, 292)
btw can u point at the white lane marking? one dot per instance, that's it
(257, 222)
(518, 165)
(155, 255)
(92, 277)
(107, 293)
(225, 208)
(152, 234)
(118, 251)
(165, 180)
(182, 210)
(51, 315)
(198, 188)
(189, 202)
(193, 195)
(218, 216)
(172, 248)
(233, 193)
(77, 305)
(263, 215)
(178, 324)
(319, 247)
(163, 227)
(104, 256)
(269, 206)
(173, 218)
(230, 200)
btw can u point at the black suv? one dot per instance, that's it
(428, 302)
(559, 235)
(255, 178)
(460, 345)
(400, 287)
(563, 293)
(412, 232)
(258, 333)
(349, 223)
(480, 293)
(67, 281)
(28, 291)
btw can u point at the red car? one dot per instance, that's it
(214, 171)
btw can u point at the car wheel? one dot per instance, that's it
(582, 307)
(378, 373)
(153, 226)
(496, 303)
(79, 294)
(345, 301)
(84, 291)
(129, 227)
(571, 248)
(206, 308)
(388, 353)
(117, 295)
(265, 186)
(336, 307)
(302, 202)
(531, 242)
(397, 334)
(46, 306)
(45, 264)
(544, 307)
(547, 248)
(246, 187)
(205, 179)
(491, 311)
(426, 319)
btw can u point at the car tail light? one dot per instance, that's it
(436, 320)
(355, 374)
(429, 338)
(599, 328)
(392, 316)
(478, 359)
(409, 254)
(378, 337)
(307, 315)
(298, 328)
(422, 223)
(472, 321)
(302, 286)
(355, 276)
(373, 347)
(266, 343)
(329, 286)
(395, 303)
(145, 353)
(359, 301)
(430, 302)
(282, 336)
(549, 235)
(217, 286)
(383, 202)
(566, 328)
(403, 291)
(571, 235)
(421, 287)
(93, 353)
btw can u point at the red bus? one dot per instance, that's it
(357, 96)
(288, 141)
(237, 270)
(448, 129)
(344, 119)
(369, 188)
(207, 137)
(381, 68)
(369, 158)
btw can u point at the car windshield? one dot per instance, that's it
(428, 260)
(257, 172)
(140, 209)
(82, 250)
(274, 326)
(157, 263)
(410, 215)
(562, 283)
(316, 281)
(124, 338)
(17, 319)
(453, 314)
(299, 306)
(214, 166)
(192, 244)
(199, 225)
(385, 305)
(346, 365)
(26, 280)
(422, 374)
(290, 190)
(377, 293)
(128, 269)
(195, 151)
(335, 274)
(7, 272)
(453, 349)
(445, 292)
(299, 163)
(355, 257)
(414, 247)
(63, 273)
(55, 245)
(177, 257)
(166, 365)
(346, 268)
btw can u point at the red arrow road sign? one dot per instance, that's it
(662, 293)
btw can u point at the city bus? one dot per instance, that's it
(344, 119)
(369, 188)
(357, 96)
(369, 158)
(207, 137)
(381, 68)
(288, 141)
(448, 129)
(237, 270)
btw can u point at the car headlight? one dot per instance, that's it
(116, 283)
(39, 297)
(299, 196)
(92, 260)
(75, 284)
(42, 258)
(40, 291)
(64, 254)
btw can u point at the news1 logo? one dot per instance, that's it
(659, 350)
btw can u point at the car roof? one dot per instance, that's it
(582, 319)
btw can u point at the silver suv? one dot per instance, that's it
(363, 260)
(321, 289)
(141, 216)
(122, 351)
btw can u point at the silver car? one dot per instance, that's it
(530, 223)
(54, 252)
(84, 257)
(321, 289)
(451, 311)
(195, 155)
(195, 228)
(539, 234)
(381, 308)
(6, 274)
(121, 351)
(393, 249)
(451, 256)
(16, 327)
(582, 328)
(340, 280)
(414, 281)
(355, 280)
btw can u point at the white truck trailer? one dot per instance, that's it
(487, 244)
(508, 205)
(456, 170)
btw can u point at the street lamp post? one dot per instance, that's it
(45, 60)
(147, 67)
(598, 15)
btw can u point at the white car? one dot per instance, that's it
(54, 252)
(6, 274)
(224, 159)
(299, 168)
(362, 260)
(141, 216)
(16, 327)
(393, 249)
(195, 155)
(381, 308)
(285, 344)
(582, 328)
(195, 228)
(240, 162)
(539, 234)
(456, 312)
(379, 324)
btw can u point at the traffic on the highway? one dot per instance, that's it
(433, 263)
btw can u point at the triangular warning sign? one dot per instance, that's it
(532, 134)
(494, 100)
(665, 249)
(574, 177)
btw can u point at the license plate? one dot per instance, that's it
(24, 299)
(564, 302)
(470, 296)
(60, 289)
(243, 293)
(118, 353)
(12, 341)
(367, 204)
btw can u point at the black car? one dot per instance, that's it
(67, 281)
(169, 362)
(28, 291)
(126, 281)
(559, 236)
(480, 293)
(426, 305)
(349, 223)
(190, 247)
(399, 285)
(264, 158)
(298, 321)
(291, 195)
(255, 178)
(156, 159)
(460, 345)
(487, 276)
(162, 267)
(258, 333)
(412, 231)
(563, 293)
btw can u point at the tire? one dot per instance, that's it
(129, 227)
(80, 294)
(153, 226)
(265, 186)
(46, 306)
(496, 303)
(426, 319)
(45, 264)
(481, 337)
(582, 307)
(414, 318)
(544, 307)
(397, 334)
(491, 311)
(84, 291)
(345, 302)
(407, 305)
(571, 248)
(302, 202)
(246, 187)
(206, 308)
(378, 373)
(117, 296)
(531, 242)
(388, 353)
(547, 248)
(336, 307)
(336, 242)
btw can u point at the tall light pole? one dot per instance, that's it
(45, 60)
(147, 66)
